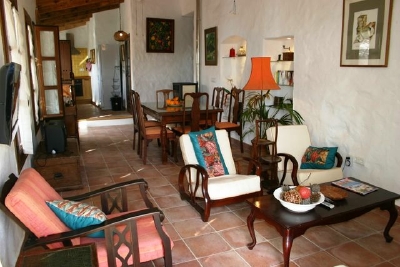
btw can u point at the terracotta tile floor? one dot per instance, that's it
(107, 158)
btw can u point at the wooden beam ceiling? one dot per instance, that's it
(68, 14)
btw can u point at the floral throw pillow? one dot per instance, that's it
(77, 215)
(318, 158)
(208, 152)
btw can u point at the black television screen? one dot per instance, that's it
(9, 85)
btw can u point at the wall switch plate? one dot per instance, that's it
(359, 160)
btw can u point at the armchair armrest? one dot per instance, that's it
(200, 172)
(119, 201)
(109, 224)
(339, 159)
(287, 157)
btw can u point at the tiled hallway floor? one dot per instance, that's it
(107, 157)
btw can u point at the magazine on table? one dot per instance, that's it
(355, 186)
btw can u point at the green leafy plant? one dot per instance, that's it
(257, 109)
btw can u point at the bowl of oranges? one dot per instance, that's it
(173, 102)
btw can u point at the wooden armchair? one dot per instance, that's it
(130, 237)
(292, 143)
(201, 184)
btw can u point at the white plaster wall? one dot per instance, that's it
(153, 71)
(11, 235)
(355, 108)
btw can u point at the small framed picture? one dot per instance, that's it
(365, 33)
(211, 49)
(159, 35)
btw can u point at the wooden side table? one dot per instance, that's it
(82, 255)
(61, 170)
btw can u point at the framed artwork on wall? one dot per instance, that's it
(210, 46)
(160, 35)
(92, 56)
(365, 33)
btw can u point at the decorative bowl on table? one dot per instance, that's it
(297, 207)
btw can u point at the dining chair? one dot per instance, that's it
(147, 123)
(217, 101)
(218, 98)
(150, 133)
(192, 119)
(166, 94)
(235, 109)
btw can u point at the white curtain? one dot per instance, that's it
(17, 44)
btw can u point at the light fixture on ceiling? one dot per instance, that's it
(120, 35)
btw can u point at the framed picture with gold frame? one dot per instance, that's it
(92, 56)
(365, 33)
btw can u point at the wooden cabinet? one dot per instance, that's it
(83, 89)
(61, 170)
(66, 61)
(49, 79)
(71, 121)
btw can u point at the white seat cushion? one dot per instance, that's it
(230, 186)
(317, 176)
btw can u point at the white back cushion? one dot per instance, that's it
(292, 139)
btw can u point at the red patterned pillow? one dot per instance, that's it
(208, 153)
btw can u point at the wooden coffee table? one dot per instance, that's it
(291, 225)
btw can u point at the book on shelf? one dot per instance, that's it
(355, 186)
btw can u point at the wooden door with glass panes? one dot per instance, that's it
(49, 72)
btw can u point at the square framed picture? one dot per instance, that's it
(160, 35)
(365, 33)
(211, 49)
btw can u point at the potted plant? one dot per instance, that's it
(256, 108)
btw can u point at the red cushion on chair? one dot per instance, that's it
(27, 202)
(150, 245)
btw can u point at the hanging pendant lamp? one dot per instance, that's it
(120, 35)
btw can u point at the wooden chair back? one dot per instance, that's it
(236, 102)
(166, 94)
(196, 100)
(218, 97)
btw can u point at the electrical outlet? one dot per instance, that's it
(359, 160)
(347, 161)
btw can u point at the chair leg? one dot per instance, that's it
(207, 210)
(241, 144)
(144, 151)
(134, 139)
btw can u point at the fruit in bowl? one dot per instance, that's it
(300, 198)
(173, 102)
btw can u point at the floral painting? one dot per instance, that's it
(160, 35)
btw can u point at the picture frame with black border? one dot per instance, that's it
(365, 33)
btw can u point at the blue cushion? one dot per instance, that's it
(208, 152)
(318, 158)
(77, 215)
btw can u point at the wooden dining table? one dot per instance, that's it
(169, 115)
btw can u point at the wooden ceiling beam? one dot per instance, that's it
(48, 6)
(71, 25)
(65, 15)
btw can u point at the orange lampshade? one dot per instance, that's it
(261, 76)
